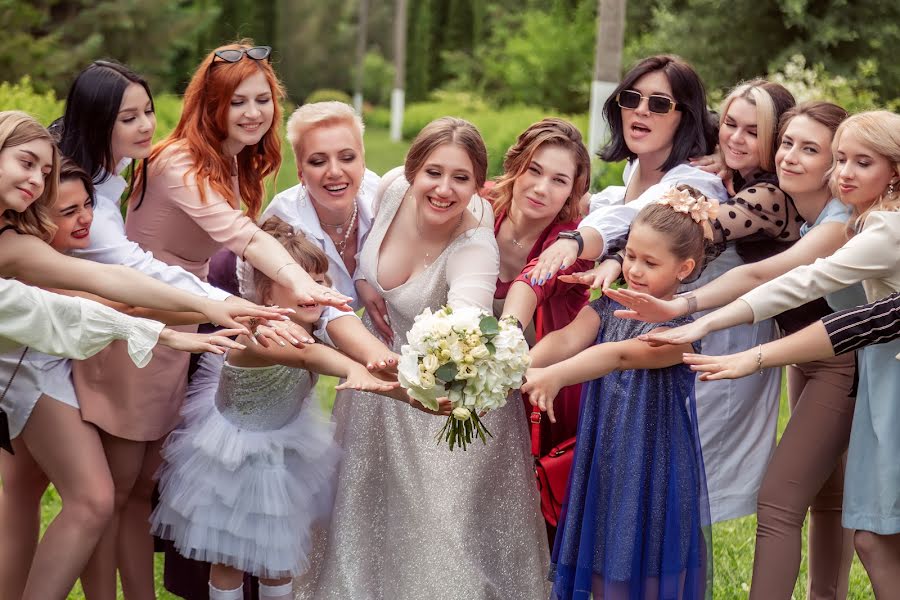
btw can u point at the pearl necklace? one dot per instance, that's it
(342, 245)
(339, 228)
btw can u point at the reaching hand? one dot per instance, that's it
(602, 276)
(280, 332)
(385, 364)
(686, 334)
(644, 307)
(200, 342)
(227, 313)
(542, 388)
(314, 292)
(361, 380)
(444, 407)
(559, 255)
(376, 308)
(732, 366)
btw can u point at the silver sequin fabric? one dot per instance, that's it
(413, 520)
(263, 398)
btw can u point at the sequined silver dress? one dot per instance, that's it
(411, 519)
(249, 471)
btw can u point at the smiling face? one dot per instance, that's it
(444, 185)
(862, 174)
(803, 160)
(650, 266)
(332, 164)
(132, 134)
(650, 135)
(543, 189)
(72, 214)
(250, 114)
(737, 137)
(23, 172)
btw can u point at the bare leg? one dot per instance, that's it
(880, 555)
(20, 517)
(226, 583)
(135, 544)
(69, 452)
(125, 458)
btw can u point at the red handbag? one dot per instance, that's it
(551, 470)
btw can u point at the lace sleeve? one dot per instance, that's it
(760, 212)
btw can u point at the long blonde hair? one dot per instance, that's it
(17, 128)
(879, 130)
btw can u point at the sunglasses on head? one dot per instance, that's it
(656, 103)
(233, 55)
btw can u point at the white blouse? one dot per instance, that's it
(611, 216)
(67, 326)
(871, 256)
(294, 207)
(110, 245)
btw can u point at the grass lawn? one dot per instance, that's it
(733, 542)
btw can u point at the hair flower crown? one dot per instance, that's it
(700, 208)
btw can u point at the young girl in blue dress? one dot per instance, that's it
(636, 512)
(251, 469)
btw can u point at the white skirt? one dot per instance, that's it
(246, 499)
(39, 374)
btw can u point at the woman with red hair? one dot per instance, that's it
(186, 205)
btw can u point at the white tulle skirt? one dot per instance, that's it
(245, 497)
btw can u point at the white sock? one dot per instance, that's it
(217, 594)
(284, 591)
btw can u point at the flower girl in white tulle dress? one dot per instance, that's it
(251, 469)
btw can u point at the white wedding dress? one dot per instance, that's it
(413, 520)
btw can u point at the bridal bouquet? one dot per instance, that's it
(468, 356)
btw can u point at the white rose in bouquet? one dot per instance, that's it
(468, 356)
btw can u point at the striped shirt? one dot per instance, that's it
(874, 323)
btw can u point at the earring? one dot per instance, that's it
(890, 190)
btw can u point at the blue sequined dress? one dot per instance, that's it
(636, 510)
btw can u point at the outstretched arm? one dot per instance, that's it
(567, 342)
(543, 384)
(28, 258)
(806, 345)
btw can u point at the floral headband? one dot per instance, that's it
(701, 209)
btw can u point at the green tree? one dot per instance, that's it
(51, 40)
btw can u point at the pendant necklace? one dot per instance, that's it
(425, 261)
(349, 223)
(339, 228)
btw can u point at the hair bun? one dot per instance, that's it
(278, 228)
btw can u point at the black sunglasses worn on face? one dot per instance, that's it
(656, 103)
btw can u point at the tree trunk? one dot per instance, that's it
(399, 71)
(360, 55)
(607, 65)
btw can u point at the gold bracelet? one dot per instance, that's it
(759, 366)
(277, 271)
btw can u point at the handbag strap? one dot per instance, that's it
(535, 419)
(13, 376)
(5, 441)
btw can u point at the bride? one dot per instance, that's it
(411, 519)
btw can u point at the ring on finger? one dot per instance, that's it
(256, 333)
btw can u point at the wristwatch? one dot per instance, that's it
(572, 235)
